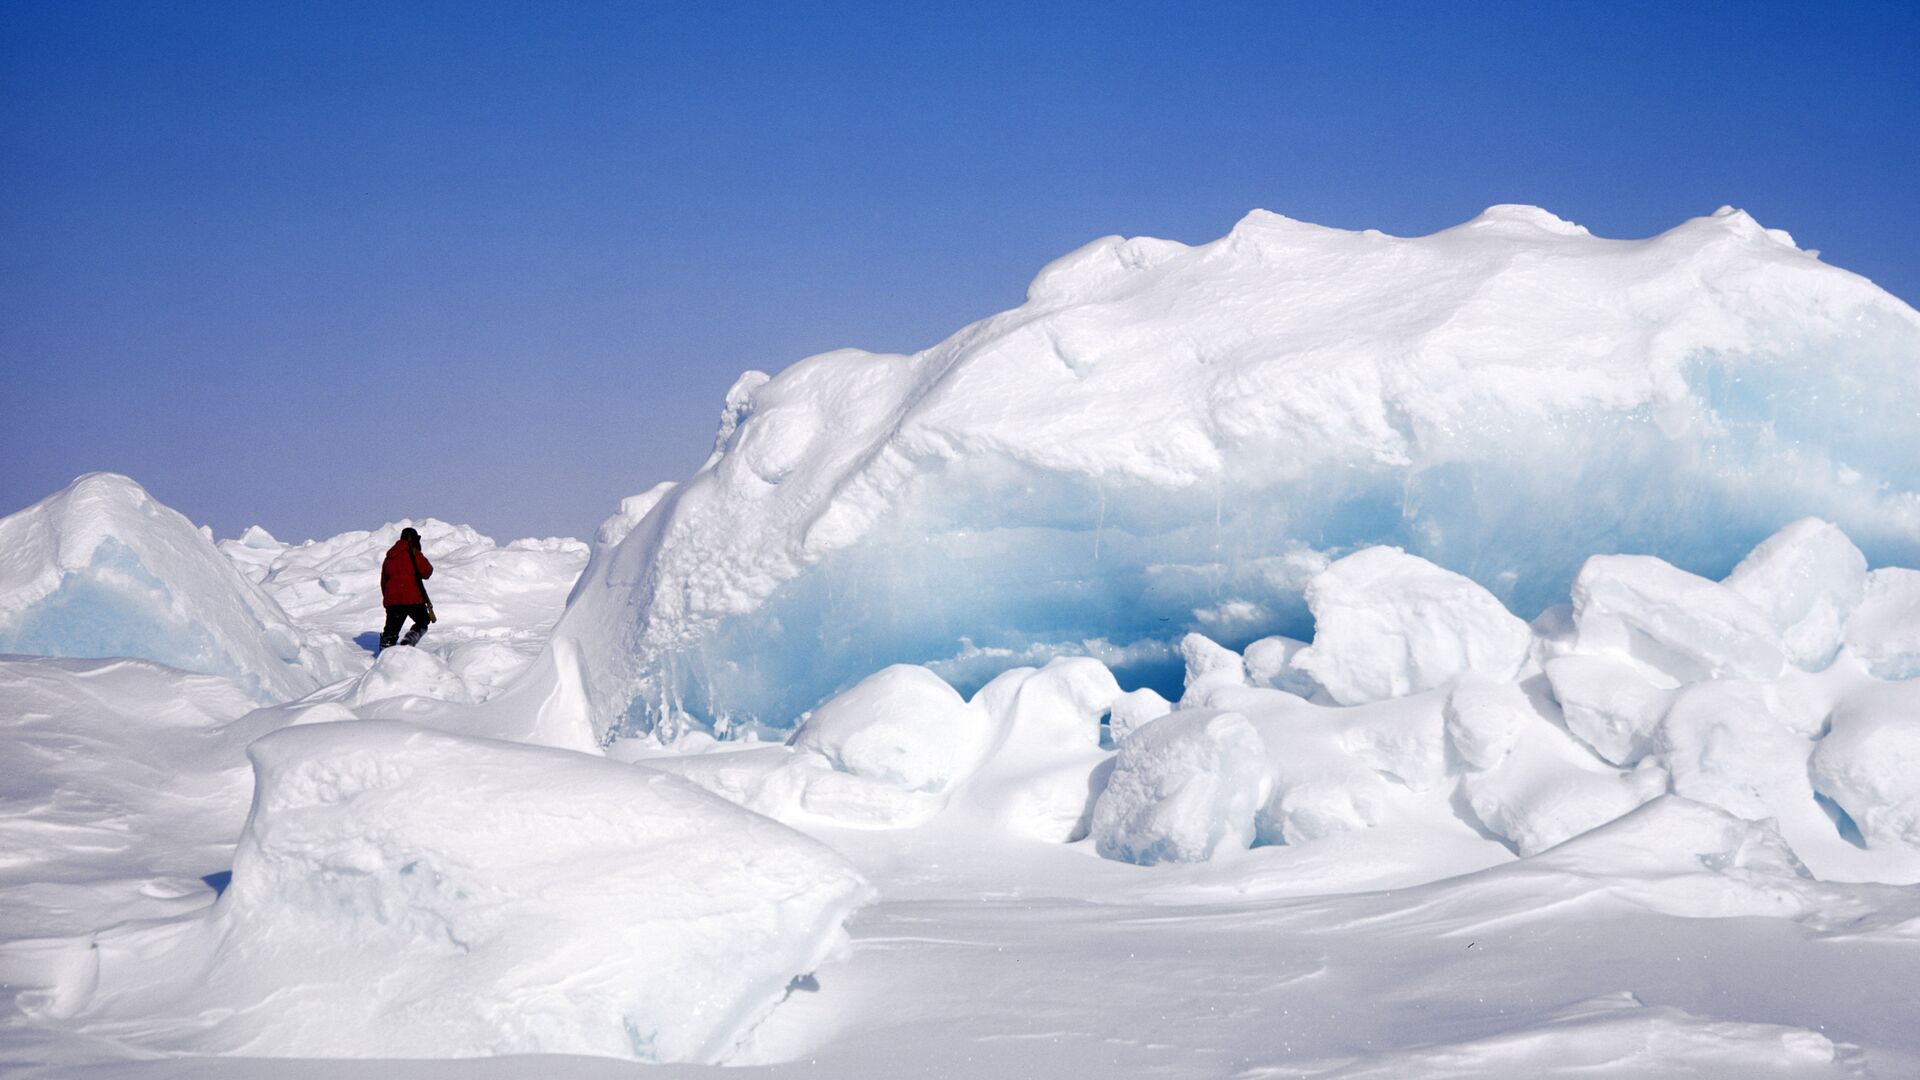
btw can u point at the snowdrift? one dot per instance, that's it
(1168, 439)
(405, 893)
(102, 569)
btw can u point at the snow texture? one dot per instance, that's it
(1167, 439)
(399, 892)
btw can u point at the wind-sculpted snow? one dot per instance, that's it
(405, 893)
(1168, 439)
(103, 569)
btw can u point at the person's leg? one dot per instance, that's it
(419, 628)
(391, 634)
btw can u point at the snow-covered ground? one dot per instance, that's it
(1311, 654)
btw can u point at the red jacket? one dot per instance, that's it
(398, 585)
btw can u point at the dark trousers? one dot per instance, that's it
(399, 613)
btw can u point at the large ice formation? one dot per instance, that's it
(399, 892)
(1166, 439)
(103, 569)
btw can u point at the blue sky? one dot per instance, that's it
(324, 266)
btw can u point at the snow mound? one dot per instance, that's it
(403, 671)
(1023, 756)
(103, 569)
(1869, 765)
(1884, 631)
(1167, 439)
(903, 725)
(404, 893)
(1182, 787)
(1808, 578)
(1683, 625)
(1388, 624)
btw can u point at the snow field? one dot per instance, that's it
(398, 892)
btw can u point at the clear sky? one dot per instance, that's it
(324, 266)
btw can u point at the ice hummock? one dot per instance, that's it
(404, 893)
(1168, 439)
(103, 569)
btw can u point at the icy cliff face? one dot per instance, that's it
(1166, 439)
(103, 569)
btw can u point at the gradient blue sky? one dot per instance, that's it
(324, 266)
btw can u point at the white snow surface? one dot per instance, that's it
(1166, 439)
(1149, 662)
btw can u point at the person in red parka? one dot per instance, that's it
(403, 591)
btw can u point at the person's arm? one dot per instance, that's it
(421, 564)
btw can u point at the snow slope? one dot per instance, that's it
(1167, 438)
(102, 569)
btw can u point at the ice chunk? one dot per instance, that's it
(1678, 623)
(1549, 788)
(1724, 745)
(1404, 740)
(1388, 624)
(1609, 703)
(1885, 629)
(1318, 787)
(1484, 719)
(903, 725)
(103, 569)
(1870, 764)
(1183, 787)
(1041, 777)
(403, 671)
(405, 893)
(1270, 663)
(1134, 709)
(1669, 836)
(1210, 666)
(1808, 578)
